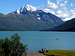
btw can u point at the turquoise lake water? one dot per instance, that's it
(50, 40)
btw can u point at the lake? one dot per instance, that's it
(50, 40)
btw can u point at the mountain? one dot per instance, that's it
(67, 26)
(28, 19)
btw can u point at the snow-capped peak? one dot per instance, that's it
(25, 8)
(30, 7)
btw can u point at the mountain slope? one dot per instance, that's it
(24, 19)
(67, 26)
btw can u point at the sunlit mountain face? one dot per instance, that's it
(29, 19)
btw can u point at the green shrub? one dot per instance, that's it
(12, 46)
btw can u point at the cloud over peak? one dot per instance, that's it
(30, 7)
(61, 9)
(52, 5)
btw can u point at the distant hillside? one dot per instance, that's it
(67, 26)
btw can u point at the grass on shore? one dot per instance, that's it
(61, 53)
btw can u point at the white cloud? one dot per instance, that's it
(62, 5)
(70, 17)
(66, 19)
(51, 11)
(48, 11)
(52, 5)
(65, 1)
(64, 15)
(61, 9)
(30, 7)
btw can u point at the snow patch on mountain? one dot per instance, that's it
(30, 7)
(38, 18)
(18, 12)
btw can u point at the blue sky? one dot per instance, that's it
(11, 5)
